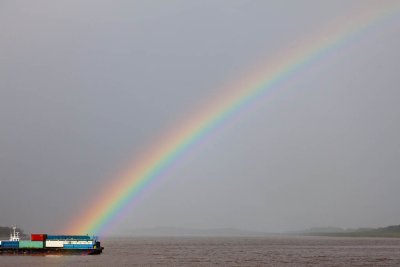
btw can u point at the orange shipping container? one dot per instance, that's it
(38, 237)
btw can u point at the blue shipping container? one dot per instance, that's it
(10, 244)
(78, 246)
(68, 237)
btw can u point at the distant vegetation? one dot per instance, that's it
(389, 231)
(5, 232)
(179, 232)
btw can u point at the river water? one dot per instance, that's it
(234, 251)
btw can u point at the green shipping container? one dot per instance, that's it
(30, 244)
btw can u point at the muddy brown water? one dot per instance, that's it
(229, 251)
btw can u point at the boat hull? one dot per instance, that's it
(50, 251)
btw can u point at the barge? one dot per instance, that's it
(44, 244)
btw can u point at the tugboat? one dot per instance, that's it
(44, 244)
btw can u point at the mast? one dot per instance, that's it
(14, 236)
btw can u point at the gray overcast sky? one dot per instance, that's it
(86, 86)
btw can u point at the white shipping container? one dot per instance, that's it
(54, 243)
(79, 242)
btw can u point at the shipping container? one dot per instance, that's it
(38, 237)
(54, 243)
(77, 246)
(30, 244)
(80, 242)
(10, 244)
(68, 237)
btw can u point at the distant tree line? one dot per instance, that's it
(389, 231)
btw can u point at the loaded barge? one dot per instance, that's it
(44, 244)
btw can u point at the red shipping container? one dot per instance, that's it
(38, 237)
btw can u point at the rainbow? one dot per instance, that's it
(127, 187)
